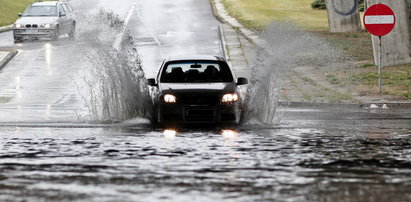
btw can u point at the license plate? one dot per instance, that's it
(31, 31)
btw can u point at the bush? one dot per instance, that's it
(320, 4)
(361, 5)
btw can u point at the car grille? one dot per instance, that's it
(31, 26)
(199, 115)
(200, 100)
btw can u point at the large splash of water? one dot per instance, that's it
(283, 47)
(113, 84)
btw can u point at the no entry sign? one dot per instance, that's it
(379, 19)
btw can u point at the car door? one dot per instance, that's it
(63, 22)
(69, 13)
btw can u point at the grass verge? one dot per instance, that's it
(257, 14)
(10, 8)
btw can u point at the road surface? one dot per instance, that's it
(51, 151)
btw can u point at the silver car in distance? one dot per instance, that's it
(48, 19)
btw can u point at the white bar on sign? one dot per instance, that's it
(379, 19)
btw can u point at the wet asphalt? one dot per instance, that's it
(315, 152)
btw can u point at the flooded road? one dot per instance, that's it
(136, 163)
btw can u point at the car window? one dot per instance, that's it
(196, 72)
(66, 8)
(40, 11)
(61, 9)
(69, 6)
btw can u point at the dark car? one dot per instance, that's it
(196, 89)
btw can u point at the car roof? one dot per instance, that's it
(195, 57)
(45, 3)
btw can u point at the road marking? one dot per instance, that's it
(379, 19)
(120, 36)
(149, 30)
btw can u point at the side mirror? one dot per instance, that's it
(20, 14)
(62, 14)
(151, 82)
(242, 81)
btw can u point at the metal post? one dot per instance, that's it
(379, 65)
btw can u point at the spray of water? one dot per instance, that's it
(113, 84)
(283, 47)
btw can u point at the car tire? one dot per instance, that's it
(73, 31)
(56, 33)
(18, 40)
(154, 117)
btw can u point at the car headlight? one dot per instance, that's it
(230, 97)
(47, 26)
(168, 98)
(18, 26)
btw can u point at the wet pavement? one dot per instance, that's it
(314, 152)
(134, 163)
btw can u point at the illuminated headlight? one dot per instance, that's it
(230, 97)
(47, 26)
(170, 98)
(18, 26)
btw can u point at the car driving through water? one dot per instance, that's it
(48, 19)
(196, 89)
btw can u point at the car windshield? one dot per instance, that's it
(196, 72)
(40, 11)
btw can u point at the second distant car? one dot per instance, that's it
(48, 19)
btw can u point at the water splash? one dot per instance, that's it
(284, 47)
(114, 83)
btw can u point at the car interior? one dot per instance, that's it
(196, 73)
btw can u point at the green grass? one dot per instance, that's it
(396, 80)
(258, 14)
(335, 96)
(333, 79)
(357, 44)
(308, 80)
(10, 8)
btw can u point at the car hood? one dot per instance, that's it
(36, 20)
(197, 87)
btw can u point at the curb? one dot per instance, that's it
(219, 8)
(215, 13)
(8, 58)
(6, 28)
(224, 50)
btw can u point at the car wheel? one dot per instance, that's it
(18, 40)
(154, 117)
(73, 31)
(56, 33)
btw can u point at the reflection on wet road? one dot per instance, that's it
(38, 86)
(280, 164)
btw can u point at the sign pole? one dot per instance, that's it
(379, 64)
(379, 20)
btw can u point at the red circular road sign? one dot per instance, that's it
(379, 19)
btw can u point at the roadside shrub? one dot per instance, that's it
(320, 4)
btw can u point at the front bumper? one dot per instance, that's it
(180, 113)
(33, 33)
